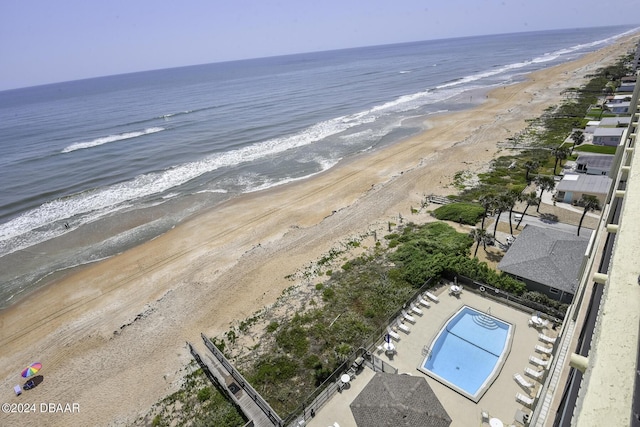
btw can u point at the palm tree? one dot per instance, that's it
(530, 199)
(589, 203)
(487, 201)
(515, 196)
(578, 138)
(544, 183)
(480, 236)
(502, 203)
(530, 166)
(560, 154)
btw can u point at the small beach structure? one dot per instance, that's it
(398, 400)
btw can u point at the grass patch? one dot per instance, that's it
(601, 149)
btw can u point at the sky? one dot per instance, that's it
(45, 41)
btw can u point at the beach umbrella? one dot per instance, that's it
(31, 369)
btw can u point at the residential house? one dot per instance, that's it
(591, 126)
(618, 107)
(571, 188)
(617, 99)
(546, 260)
(594, 164)
(615, 122)
(607, 136)
(626, 88)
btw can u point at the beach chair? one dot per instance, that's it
(408, 317)
(544, 350)
(485, 416)
(432, 297)
(525, 400)
(404, 328)
(416, 310)
(534, 374)
(393, 334)
(542, 337)
(538, 361)
(522, 381)
(424, 302)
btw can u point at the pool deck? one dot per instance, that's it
(499, 400)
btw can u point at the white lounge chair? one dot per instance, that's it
(538, 361)
(393, 334)
(485, 416)
(416, 310)
(533, 373)
(522, 381)
(431, 296)
(525, 400)
(408, 317)
(546, 339)
(404, 328)
(544, 350)
(424, 302)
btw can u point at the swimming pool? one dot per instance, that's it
(468, 353)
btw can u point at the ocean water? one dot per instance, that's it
(92, 167)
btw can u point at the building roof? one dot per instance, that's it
(391, 400)
(546, 256)
(615, 121)
(601, 131)
(590, 184)
(599, 161)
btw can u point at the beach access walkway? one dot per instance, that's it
(237, 389)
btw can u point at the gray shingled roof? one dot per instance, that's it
(391, 400)
(546, 256)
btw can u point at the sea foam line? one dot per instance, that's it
(111, 138)
(38, 224)
(547, 57)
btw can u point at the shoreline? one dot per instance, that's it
(123, 322)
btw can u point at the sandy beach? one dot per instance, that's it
(111, 337)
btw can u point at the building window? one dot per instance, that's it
(553, 291)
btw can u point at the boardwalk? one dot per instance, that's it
(242, 399)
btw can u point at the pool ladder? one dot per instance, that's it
(426, 352)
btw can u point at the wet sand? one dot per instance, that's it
(111, 337)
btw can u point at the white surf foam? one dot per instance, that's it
(111, 138)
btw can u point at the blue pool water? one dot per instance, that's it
(468, 352)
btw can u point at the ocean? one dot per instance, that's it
(92, 167)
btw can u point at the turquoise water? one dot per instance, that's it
(466, 352)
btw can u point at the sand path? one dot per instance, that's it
(228, 263)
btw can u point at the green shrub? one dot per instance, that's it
(328, 294)
(272, 327)
(204, 394)
(293, 339)
(464, 213)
